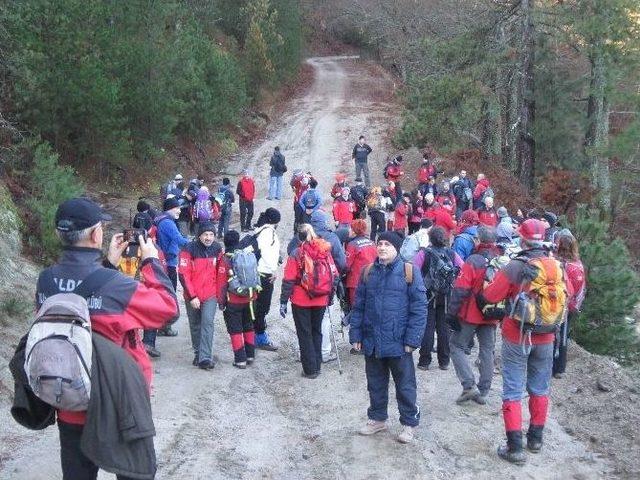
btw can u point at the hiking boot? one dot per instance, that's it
(372, 427)
(168, 332)
(558, 375)
(240, 365)
(250, 360)
(206, 365)
(153, 352)
(423, 364)
(467, 394)
(195, 361)
(534, 438)
(263, 342)
(481, 399)
(310, 375)
(512, 452)
(406, 435)
(332, 357)
(353, 351)
(444, 367)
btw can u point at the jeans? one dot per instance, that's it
(378, 224)
(530, 365)
(363, 168)
(263, 303)
(404, 376)
(201, 327)
(561, 345)
(435, 324)
(459, 342)
(75, 465)
(246, 214)
(275, 187)
(308, 321)
(223, 224)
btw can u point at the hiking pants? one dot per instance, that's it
(263, 303)
(246, 214)
(363, 168)
(75, 465)
(201, 327)
(275, 187)
(404, 376)
(459, 343)
(237, 317)
(561, 345)
(308, 321)
(378, 224)
(298, 213)
(528, 366)
(223, 224)
(435, 324)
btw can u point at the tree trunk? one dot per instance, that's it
(597, 135)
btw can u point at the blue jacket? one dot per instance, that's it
(169, 239)
(319, 223)
(389, 313)
(463, 243)
(315, 194)
(229, 198)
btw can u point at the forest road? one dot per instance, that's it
(267, 422)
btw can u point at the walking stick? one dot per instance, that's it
(335, 342)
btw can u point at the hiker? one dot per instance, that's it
(482, 190)
(195, 184)
(401, 214)
(278, 169)
(437, 265)
(359, 155)
(506, 230)
(551, 219)
(205, 208)
(246, 191)
(237, 308)
(227, 199)
(311, 198)
(309, 278)
(299, 184)
(417, 211)
(359, 195)
(392, 192)
(417, 240)
(118, 307)
(487, 214)
(387, 323)
(429, 187)
(463, 191)
(567, 252)
(143, 219)
(463, 243)
(341, 183)
(186, 202)
(437, 214)
(377, 207)
(199, 280)
(427, 169)
(527, 352)
(344, 209)
(360, 252)
(268, 244)
(393, 170)
(466, 320)
(171, 188)
(447, 199)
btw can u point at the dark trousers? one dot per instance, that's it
(263, 303)
(237, 317)
(561, 344)
(404, 376)
(378, 224)
(149, 336)
(246, 214)
(75, 466)
(435, 324)
(308, 322)
(298, 215)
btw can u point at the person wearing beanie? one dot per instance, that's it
(438, 251)
(360, 251)
(551, 219)
(416, 211)
(143, 218)
(199, 279)
(391, 296)
(246, 191)
(237, 310)
(463, 243)
(505, 229)
(530, 366)
(268, 244)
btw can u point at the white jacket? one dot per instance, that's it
(269, 245)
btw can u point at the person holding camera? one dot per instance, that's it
(119, 306)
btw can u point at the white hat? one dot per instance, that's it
(178, 177)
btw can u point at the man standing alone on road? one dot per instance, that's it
(360, 155)
(278, 169)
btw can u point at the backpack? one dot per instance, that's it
(468, 194)
(492, 267)
(358, 196)
(318, 271)
(542, 306)
(441, 274)
(374, 201)
(58, 350)
(245, 277)
(487, 193)
(142, 220)
(203, 208)
(410, 247)
(251, 241)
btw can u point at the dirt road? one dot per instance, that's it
(268, 422)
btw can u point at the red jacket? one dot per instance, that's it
(481, 187)
(298, 189)
(488, 217)
(291, 288)
(507, 284)
(198, 270)
(125, 307)
(400, 216)
(469, 284)
(426, 171)
(439, 216)
(343, 210)
(361, 251)
(448, 202)
(576, 276)
(246, 189)
(393, 171)
(225, 272)
(336, 190)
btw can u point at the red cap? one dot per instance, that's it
(532, 230)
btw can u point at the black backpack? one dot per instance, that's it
(359, 196)
(441, 272)
(250, 240)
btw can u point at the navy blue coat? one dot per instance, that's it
(389, 314)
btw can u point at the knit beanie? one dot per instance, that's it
(272, 216)
(426, 223)
(206, 227)
(393, 238)
(170, 204)
(231, 240)
(142, 206)
(359, 227)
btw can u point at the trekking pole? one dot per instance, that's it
(335, 342)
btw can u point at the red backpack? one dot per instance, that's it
(317, 267)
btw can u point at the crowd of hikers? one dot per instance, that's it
(436, 268)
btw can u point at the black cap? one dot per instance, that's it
(79, 213)
(231, 240)
(272, 216)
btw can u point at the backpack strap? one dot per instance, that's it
(408, 273)
(94, 281)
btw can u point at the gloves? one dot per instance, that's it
(453, 323)
(283, 310)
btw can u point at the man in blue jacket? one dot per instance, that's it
(387, 323)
